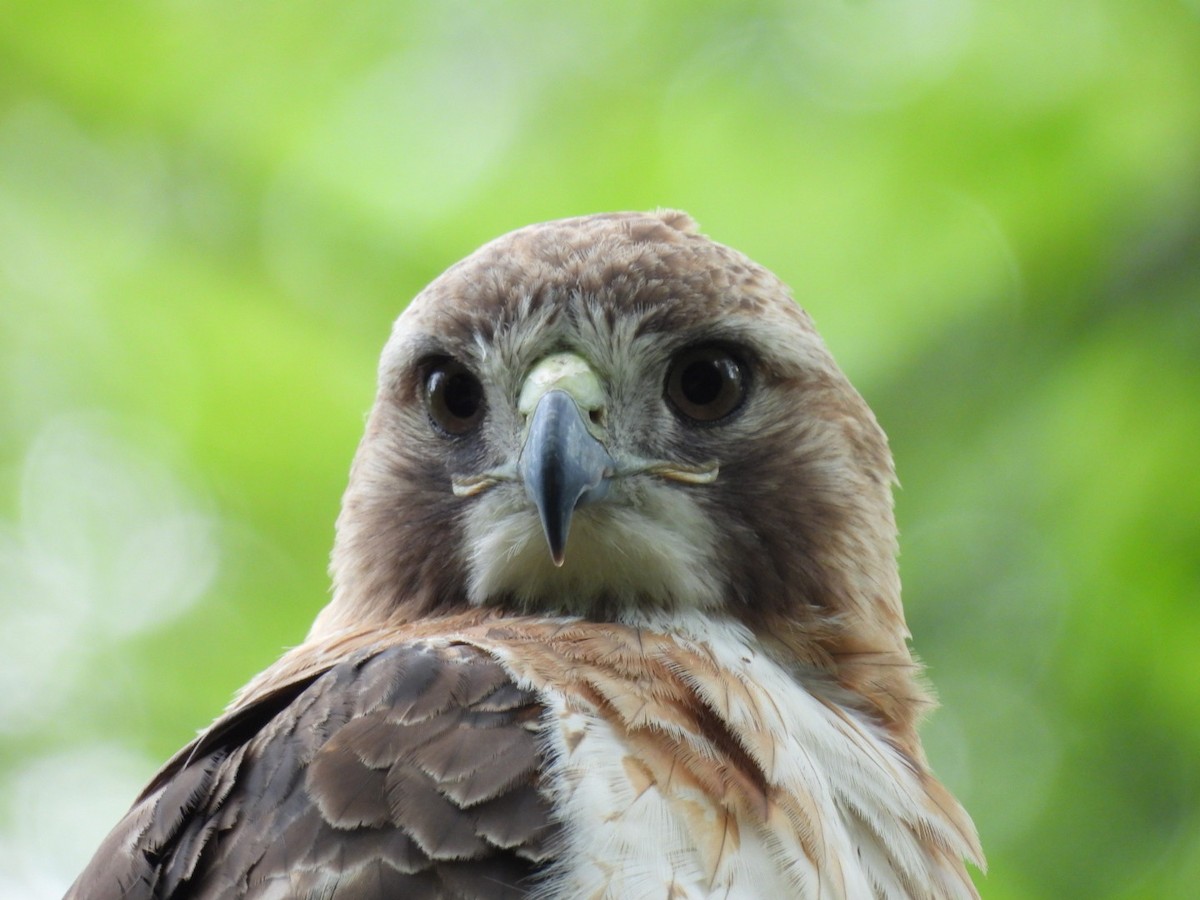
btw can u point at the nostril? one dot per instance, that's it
(597, 416)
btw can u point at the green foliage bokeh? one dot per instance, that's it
(210, 213)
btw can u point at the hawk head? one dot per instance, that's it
(617, 418)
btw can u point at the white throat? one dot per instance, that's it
(649, 546)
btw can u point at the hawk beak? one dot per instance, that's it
(563, 465)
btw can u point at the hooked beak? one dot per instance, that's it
(563, 463)
(562, 466)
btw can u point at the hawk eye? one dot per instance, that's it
(706, 384)
(453, 396)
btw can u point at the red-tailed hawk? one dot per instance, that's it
(616, 614)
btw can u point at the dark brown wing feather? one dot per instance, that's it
(407, 771)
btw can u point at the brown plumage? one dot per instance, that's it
(354, 768)
(712, 695)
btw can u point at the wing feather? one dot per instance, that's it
(405, 770)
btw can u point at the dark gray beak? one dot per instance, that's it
(562, 466)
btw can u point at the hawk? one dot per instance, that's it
(616, 614)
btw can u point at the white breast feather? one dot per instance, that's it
(624, 844)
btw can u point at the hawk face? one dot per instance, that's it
(615, 417)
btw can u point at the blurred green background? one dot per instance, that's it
(211, 212)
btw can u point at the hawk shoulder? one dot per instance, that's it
(405, 770)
